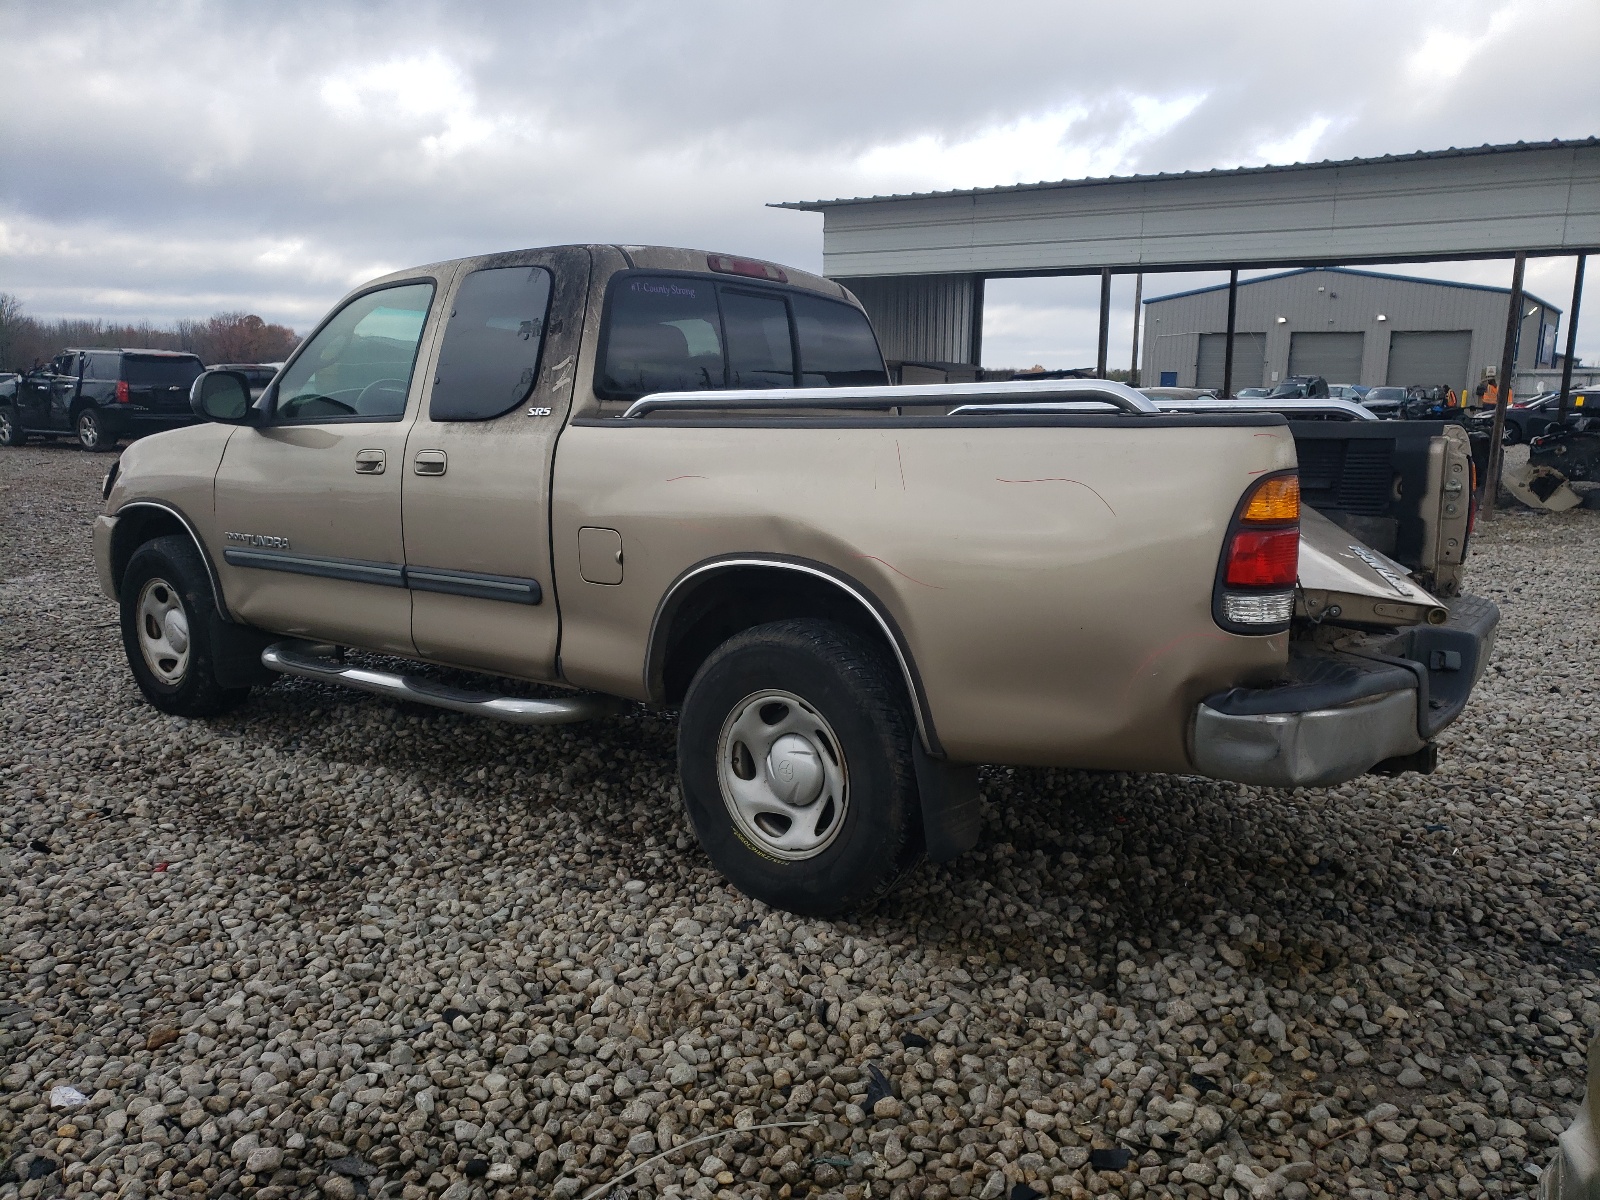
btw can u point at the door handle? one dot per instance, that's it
(369, 462)
(429, 462)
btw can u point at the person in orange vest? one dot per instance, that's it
(1488, 393)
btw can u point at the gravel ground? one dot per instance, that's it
(328, 946)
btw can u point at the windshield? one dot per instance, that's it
(1386, 393)
(140, 371)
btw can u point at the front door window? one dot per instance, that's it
(358, 366)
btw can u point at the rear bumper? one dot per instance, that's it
(132, 422)
(1336, 715)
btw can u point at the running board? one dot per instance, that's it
(299, 658)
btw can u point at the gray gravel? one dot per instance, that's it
(331, 947)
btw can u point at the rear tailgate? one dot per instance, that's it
(160, 383)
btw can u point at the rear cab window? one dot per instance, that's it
(489, 361)
(671, 332)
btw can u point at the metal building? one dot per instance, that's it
(919, 262)
(1348, 326)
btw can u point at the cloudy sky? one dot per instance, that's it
(168, 160)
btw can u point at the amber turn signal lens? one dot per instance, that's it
(1276, 499)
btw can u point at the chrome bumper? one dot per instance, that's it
(1574, 1172)
(1305, 749)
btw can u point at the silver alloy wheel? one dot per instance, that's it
(88, 430)
(163, 631)
(5, 426)
(782, 775)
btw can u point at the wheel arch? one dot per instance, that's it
(141, 521)
(716, 599)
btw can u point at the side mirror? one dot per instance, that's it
(223, 396)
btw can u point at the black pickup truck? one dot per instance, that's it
(99, 397)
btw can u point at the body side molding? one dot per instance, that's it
(685, 585)
(512, 589)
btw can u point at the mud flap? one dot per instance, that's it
(949, 806)
(237, 661)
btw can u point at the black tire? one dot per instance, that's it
(91, 431)
(175, 574)
(850, 682)
(1512, 435)
(11, 431)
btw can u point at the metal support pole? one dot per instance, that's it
(1227, 349)
(1489, 486)
(1105, 321)
(1572, 342)
(1138, 297)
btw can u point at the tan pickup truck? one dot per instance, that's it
(668, 476)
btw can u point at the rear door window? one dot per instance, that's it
(837, 345)
(489, 361)
(760, 352)
(663, 334)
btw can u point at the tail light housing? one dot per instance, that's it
(122, 391)
(1260, 558)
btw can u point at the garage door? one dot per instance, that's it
(1334, 356)
(1429, 359)
(1249, 360)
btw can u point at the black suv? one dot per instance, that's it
(99, 396)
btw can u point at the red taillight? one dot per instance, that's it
(727, 264)
(1264, 558)
(122, 391)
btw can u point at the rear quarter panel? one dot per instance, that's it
(1053, 583)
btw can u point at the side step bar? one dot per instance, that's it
(300, 658)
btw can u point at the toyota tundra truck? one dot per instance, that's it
(665, 476)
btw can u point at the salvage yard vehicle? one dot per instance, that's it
(100, 397)
(681, 478)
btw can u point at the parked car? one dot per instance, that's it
(100, 397)
(852, 592)
(1537, 416)
(1347, 391)
(258, 374)
(1249, 393)
(1300, 387)
(1385, 401)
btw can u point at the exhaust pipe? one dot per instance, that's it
(302, 659)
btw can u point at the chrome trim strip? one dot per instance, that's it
(347, 569)
(905, 395)
(296, 658)
(205, 555)
(919, 708)
(510, 588)
(1286, 408)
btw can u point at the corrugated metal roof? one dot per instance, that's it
(1474, 287)
(1326, 164)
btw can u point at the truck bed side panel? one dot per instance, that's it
(1053, 583)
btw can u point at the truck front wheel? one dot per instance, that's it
(794, 752)
(167, 608)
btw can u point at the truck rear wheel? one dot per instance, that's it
(794, 751)
(167, 608)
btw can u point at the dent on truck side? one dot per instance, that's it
(1054, 591)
